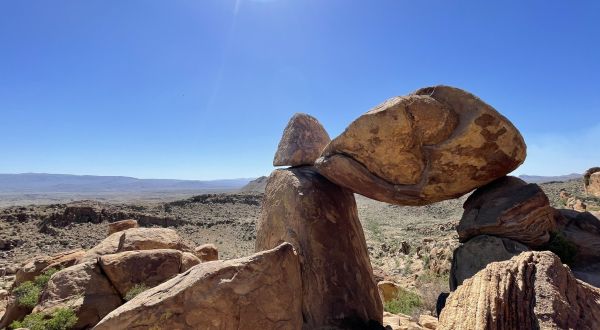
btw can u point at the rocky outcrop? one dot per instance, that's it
(531, 291)
(82, 288)
(591, 181)
(118, 226)
(477, 253)
(37, 265)
(508, 207)
(138, 239)
(207, 252)
(435, 144)
(302, 142)
(150, 268)
(320, 219)
(262, 291)
(581, 229)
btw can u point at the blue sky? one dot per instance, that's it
(202, 89)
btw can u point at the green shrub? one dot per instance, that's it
(562, 247)
(135, 290)
(27, 294)
(60, 319)
(405, 302)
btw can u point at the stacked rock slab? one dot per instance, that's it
(261, 291)
(435, 144)
(531, 291)
(591, 180)
(320, 219)
(303, 140)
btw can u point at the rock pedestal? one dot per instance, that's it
(320, 219)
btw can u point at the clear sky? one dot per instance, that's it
(202, 89)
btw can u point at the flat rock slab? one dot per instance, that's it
(434, 144)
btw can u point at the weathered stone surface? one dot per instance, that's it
(83, 288)
(428, 322)
(583, 230)
(477, 253)
(302, 142)
(508, 207)
(531, 291)
(262, 291)
(591, 181)
(207, 252)
(188, 260)
(117, 226)
(320, 219)
(388, 290)
(37, 265)
(138, 239)
(149, 267)
(435, 144)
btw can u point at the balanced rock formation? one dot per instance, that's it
(117, 226)
(477, 253)
(508, 207)
(591, 180)
(533, 290)
(302, 142)
(435, 144)
(207, 252)
(262, 291)
(320, 219)
(82, 288)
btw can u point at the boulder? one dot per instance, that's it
(207, 252)
(428, 322)
(83, 288)
(388, 290)
(533, 290)
(434, 144)
(12, 312)
(576, 204)
(591, 181)
(477, 253)
(262, 291)
(320, 219)
(149, 267)
(581, 229)
(302, 142)
(508, 207)
(37, 265)
(188, 260)
(121, 225)
(134, 239)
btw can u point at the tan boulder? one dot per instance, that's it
(302, 142)
(148, 267)
(320, 219)
(37, 265)
(428, 322)
(83, 288)
(262, 291)
(134, 239)
(435, 144)
(576, 204)
(207, 252)
(388, 290)
(533, 290)
(510, 208)
(188, 260)
(117, 226)
(591, 180)
(477, 253)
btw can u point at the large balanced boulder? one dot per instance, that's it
(150, 268)
(591, 180)
(262, 291)
(474, 255)
(434, 144)
(302, 142)
(508, 207)
(533, 290)
(83, 288)
(320, 219)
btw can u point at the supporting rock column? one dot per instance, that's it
(321, 220)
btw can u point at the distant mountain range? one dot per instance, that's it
(542, 179)
(66, 183)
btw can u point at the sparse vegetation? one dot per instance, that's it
(406, 302)
(135, 290)
(28, 293)
(60, 319)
